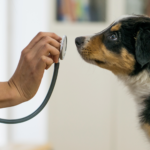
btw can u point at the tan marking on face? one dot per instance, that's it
(146, 128)
(116, 27)
(122, 63)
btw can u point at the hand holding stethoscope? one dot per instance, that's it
(40, 54)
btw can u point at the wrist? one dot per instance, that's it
(8, 95)
(16, 97)
(13, 93)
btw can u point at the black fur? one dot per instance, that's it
(134, 35)
(143, 47)
(114, 46)
(135, 40)
(145, 114)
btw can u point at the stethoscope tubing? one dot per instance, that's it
(40, 108)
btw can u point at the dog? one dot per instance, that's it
(124, 49)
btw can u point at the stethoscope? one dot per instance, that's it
(63, 49)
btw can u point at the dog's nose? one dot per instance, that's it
(79, 41)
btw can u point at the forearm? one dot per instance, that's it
(8, 95)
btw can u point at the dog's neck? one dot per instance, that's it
(138, 85)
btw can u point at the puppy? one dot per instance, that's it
(124, 49)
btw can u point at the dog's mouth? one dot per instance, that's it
(99, 62)
(89, 60)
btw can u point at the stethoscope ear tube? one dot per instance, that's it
(36, 112)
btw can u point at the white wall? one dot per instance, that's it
(3, 63)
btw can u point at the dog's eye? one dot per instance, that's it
(113, 37)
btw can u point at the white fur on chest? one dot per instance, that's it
(138, 85)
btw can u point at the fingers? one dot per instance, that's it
(40, 35)
(50, 51)
(54, 43)
(55, 58)
(48, 61)
(45, 41)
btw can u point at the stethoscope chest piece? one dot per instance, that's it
(63, 47)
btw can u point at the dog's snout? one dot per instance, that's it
(79, 41)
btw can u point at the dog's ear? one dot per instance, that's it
(142, 47)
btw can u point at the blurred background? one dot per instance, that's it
(89, 108)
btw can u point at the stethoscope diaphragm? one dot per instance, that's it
(63, 47)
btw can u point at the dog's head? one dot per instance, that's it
(123, 47)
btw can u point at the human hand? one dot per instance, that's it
(39, 55)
